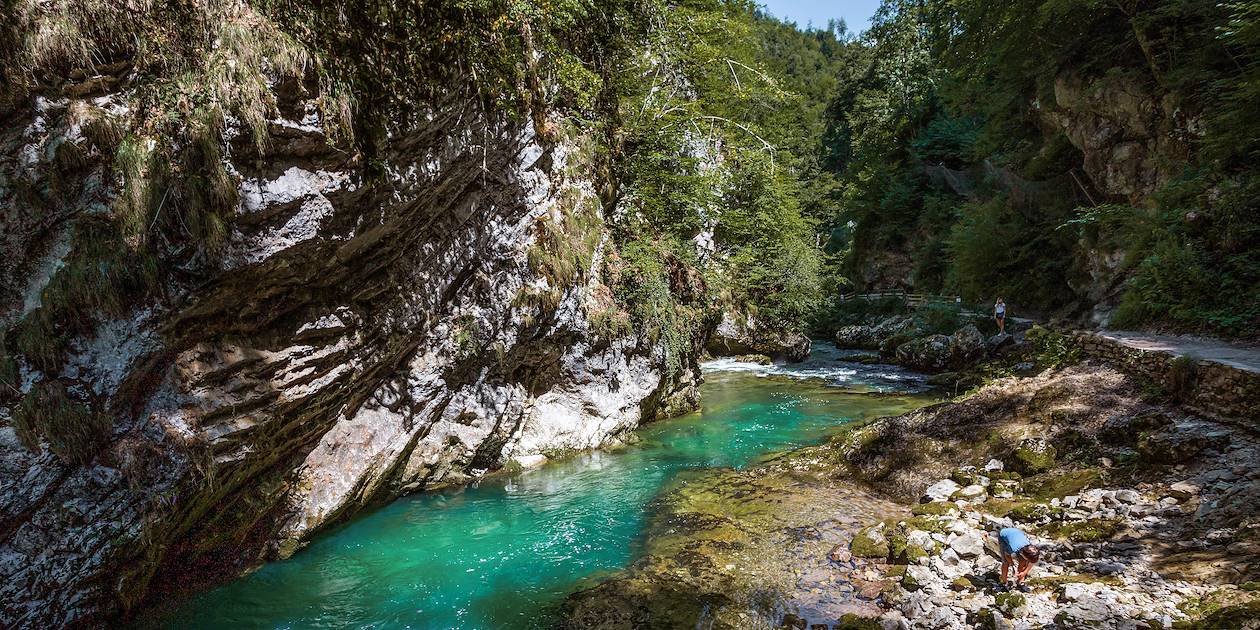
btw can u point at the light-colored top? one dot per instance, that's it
(1012, 540)
(1000, 308)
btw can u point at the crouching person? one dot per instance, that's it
(1019, 553)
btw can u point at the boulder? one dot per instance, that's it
(993, 465)
(940, 491)
(969, 545)
(917, 577)
(857, 336)
(1088, 610)
(966, 347)
(971, 493)
(1178, 444)
(937, 353)
(870, 543)
(1129, 497)
(1183, 490)
(744, 335)
(926, 354)
(1033, 456)
(1124, 430)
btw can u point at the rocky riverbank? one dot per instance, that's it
(1148, 513)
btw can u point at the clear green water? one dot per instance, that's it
(504, 553)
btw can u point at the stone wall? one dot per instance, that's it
(1214, 388)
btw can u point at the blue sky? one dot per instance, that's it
(856, 13)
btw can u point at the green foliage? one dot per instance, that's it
(939, 319)
(1053, 349)
(650, 283)
(955, 83)
(74, 432)
(865, 311)
(773, 267)
(563, 250)
(718, 134)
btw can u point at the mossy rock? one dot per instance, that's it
(870, 543)
(1062, 484)
(1004, 475)
(1029, 512)
(1033, 456)
(909, 583)
(965, 478)
(935, 508)
(1251, 587)
(1241, 617)
(961, 584)
(1001, 507)
(850, 621)
(1085, 531)
(1057, 582)
(1008, 603)
(925, 523)
(914, 553)
(987, 619)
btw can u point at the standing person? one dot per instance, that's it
(999, 314)
(1017, 551)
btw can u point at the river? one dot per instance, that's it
(504, 552)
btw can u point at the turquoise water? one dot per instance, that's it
(505, 552)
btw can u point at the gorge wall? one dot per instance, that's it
(361, 336)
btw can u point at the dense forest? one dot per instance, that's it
(1062, 154)
(265, 264)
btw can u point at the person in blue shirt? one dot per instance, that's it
(1017, 551)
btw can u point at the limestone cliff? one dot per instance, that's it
(369, 328)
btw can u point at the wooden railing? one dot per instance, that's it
(914, 300)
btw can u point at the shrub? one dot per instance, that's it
(1052, 349)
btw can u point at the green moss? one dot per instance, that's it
(1062, 484)
(870, 543)
(965, 478)
(1085, 531)
(925, 523)
(935, 508)
(1226, 617)
(1001, 507)
(1033, 511)
(850, 621)
(1033, 459)
(1250, 587)
(1008, 602)
(1057, 581)
(961, 584)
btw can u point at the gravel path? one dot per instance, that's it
(1241, 357)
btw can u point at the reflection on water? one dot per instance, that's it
(501, 553)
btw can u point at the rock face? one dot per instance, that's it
(742, 335)
(936, 353)
(361, 340)
(1133, 141)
